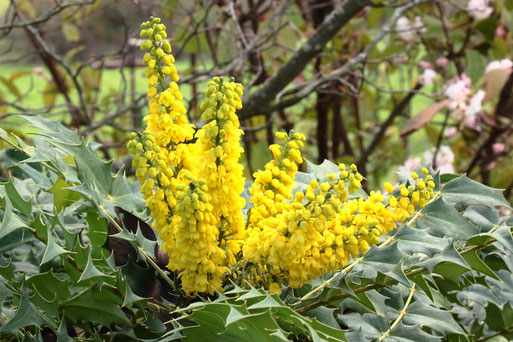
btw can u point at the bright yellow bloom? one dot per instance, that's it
(192, 183)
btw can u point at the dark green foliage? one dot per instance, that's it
(78, 259)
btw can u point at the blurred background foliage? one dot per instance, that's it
(79, 62)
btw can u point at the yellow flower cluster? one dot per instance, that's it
(218, 156)
(192, 182)
(194, 245)
(319, 230)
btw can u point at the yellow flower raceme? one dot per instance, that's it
(193, 243)
(192, 183)
(218, 156)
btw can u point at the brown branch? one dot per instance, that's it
(256, 102)
(47, 16)
(399, 109)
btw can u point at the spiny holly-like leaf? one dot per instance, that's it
(322, 171)
(49, 285)
(463, 192)
(386, 260)
(410, 333)
(26, 315)
(483, 216)
(53, 249)
(10, 221)
(90, 270)
(474, 260)
(501, 234)
(416, 240)
(97, 232)
(62, 196)
(90, 168)
(449, 255)
(324, 315)
(96, 305)
(371, 326)
(40, 179)
(131, 297)
(49, 292)
(423, 314)
(16, 200)
(497, 318)
(53, 129)
(443, 220)
(15, 239)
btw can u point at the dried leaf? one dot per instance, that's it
(493, 82)
(423, 117)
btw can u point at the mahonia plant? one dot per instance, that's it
(192, 181)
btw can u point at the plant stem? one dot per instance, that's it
(401, 315)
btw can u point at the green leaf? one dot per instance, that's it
(96, 305)
(448, 256)
(416, 240)
(10, 222)
(443, 220)
(54, 130)
(502, 235)
(26, 315)
(53, 249)
(90, 270)
(496, 318)
(413, 333)
(474, 260)
(487, 27)
(62, 332)
(97, 232)
(322, 171)
(40, 179)
(15, 239)
(62, 196)
(49, 285)
(71, 32)
(421, 282)
(446, 177)
(7, 271)
(485, 217)
(49, 291)
(324, 315)
(16, 200)
(130, 296)
(463, 192)
(476, 64)
(420, 313)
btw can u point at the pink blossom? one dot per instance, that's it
(498, 148)
(491, 166)
(405, 28)
(502, 64)
(442, 62)
(458, 90)
(444, 159)
(479, 9)
(428, 76)
(39, 71)
(409, 165)
(425, 65)
(451, 132)
(474, 107)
